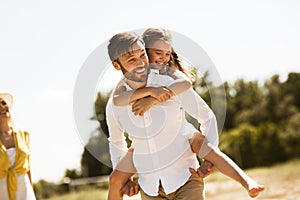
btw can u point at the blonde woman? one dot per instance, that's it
(15, 177)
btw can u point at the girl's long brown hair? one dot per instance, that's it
(154, 34)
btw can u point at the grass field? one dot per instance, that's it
(282, 182)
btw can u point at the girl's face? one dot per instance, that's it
(160, 52)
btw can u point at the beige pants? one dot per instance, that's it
(193, 189)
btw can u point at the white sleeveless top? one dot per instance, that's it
(11, 152)
(24, 191)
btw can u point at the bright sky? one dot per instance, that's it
(43, 45)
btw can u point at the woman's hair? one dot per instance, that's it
(152, 35)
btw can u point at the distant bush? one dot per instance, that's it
(252, 146)
(44, 189)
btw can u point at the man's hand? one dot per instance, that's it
(204, 170)
(131, 188)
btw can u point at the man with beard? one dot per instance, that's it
(160, 138)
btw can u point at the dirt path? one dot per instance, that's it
(281, 183)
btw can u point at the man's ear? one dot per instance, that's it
(116, 65)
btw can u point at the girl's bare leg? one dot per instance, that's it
(120, 176)
(225, 165)
(196, 143)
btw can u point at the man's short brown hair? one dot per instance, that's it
(122, 43)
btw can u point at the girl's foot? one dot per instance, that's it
(254, 189)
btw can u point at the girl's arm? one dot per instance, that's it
(123, 97)
(181, 83)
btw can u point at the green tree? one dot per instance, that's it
(237, 144)
(100, 111)
(274, 96)
(73, 173)
(44, 189)
(291, 87)
(290, 137)
(245, 98)
(268, 145)
(95, 159)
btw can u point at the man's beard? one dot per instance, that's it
(134, 76)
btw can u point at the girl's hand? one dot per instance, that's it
(140, 106)
(162, 94)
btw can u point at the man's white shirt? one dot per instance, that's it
(160, 138)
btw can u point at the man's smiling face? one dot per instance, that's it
(134, 64)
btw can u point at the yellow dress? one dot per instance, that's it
(14, 181)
